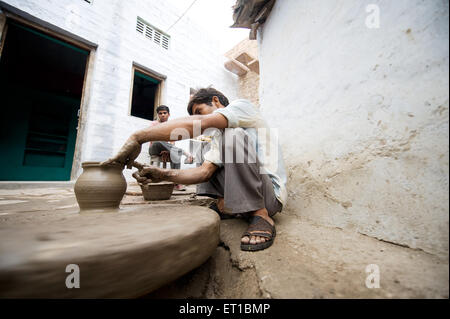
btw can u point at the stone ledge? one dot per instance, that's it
(236, 67)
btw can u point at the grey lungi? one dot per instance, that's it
(175, 153)
(242, 186)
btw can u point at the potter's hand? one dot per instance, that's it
(138, 165)
(127, 154)
(140, 179)
(150, 174)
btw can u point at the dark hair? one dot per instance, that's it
(206, 95)
(162, 108)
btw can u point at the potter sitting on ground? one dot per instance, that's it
(167, 150)
(254, 189)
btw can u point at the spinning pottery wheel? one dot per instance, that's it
(128, 253)
(120, 255)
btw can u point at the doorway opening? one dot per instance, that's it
(41, 84)
(146, 95)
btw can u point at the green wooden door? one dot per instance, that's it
(38, 134)
(41, 80)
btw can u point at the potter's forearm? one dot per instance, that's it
(182, 128)
(186, 176)
(169, 131)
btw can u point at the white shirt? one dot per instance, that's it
(242, 113)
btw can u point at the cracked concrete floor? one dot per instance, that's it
(311, 261)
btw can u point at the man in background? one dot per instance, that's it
(254, 188)
(167, 150)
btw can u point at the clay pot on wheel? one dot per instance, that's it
(100, 187)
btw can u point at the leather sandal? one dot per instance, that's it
(258, 227)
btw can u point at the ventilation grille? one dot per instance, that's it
(152, 34)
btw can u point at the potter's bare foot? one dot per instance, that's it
(220, 203)
(180, 187)
(257, 239)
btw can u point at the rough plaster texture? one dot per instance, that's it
(249, 86)
(362, 115)
(310, 261)
(193, 60)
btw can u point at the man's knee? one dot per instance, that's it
(155, 148)
(157, 144)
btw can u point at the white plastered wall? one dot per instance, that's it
(193, 60)
(362, 115)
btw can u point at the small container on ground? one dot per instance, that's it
(157, 191)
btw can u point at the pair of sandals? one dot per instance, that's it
(258, 227)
